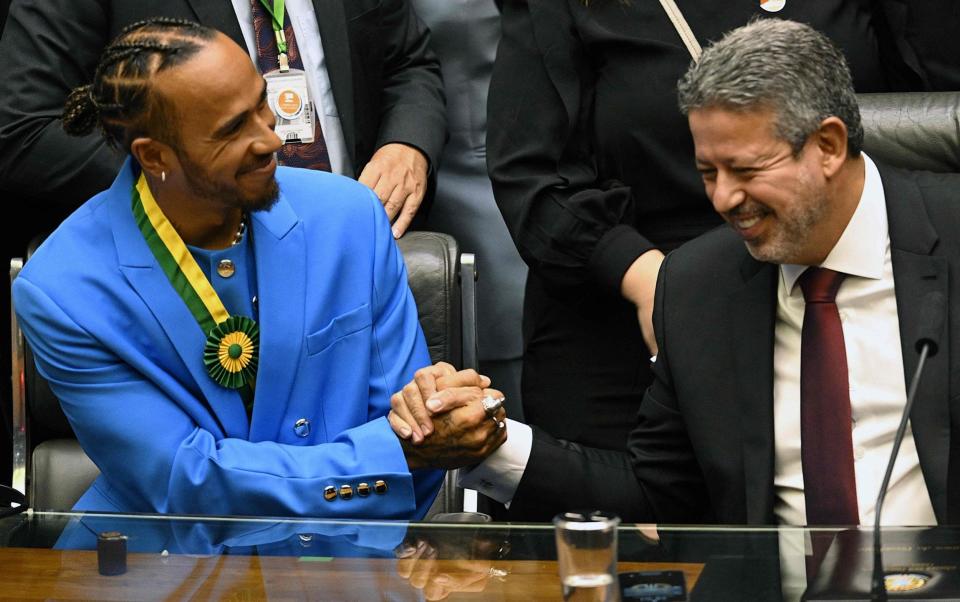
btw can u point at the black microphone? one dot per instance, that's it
(932, 311)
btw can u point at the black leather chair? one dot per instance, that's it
(443, 282)
(52, 469)
(917, 130)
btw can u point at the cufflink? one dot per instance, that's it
(363, 489)
(329, 493)
(346, 492)
(380, 487)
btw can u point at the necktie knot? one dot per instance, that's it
(820, 285)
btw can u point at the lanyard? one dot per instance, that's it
(277, 13)
(232, 349)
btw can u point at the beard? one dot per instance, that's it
(220, 193)
(794, 225)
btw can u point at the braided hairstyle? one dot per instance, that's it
(121, 100)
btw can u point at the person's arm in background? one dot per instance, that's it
(413, 123)
(571, 227)
(50, 47)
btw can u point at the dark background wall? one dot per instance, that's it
(7, 252)
(4, 7)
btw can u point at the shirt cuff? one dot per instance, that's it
(498, 476)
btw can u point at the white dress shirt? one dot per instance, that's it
(871, 333)
(303, 19)
(868, 312)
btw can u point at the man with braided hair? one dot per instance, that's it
(225, 335)
(371, 75)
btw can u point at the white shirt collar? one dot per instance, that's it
(861, 248)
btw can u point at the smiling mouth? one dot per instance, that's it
(267, 165)
(748, 223)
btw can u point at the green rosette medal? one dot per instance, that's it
(231, 352)
(232, 349)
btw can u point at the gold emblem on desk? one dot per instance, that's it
(905, 582)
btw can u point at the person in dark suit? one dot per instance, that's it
(591, 167)
(722, 434)
(383, 79)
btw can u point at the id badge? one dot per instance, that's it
(289, 98)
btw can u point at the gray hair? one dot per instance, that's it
(781, 65)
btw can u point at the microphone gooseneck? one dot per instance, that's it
(932, 312)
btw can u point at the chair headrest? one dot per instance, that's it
(913, 130)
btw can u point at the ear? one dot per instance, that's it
(831, 140)
(154, 157)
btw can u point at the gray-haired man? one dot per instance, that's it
(756, 416)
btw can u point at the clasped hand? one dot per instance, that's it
(440, 419)
(457, 561)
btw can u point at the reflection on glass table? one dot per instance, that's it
(48, 555)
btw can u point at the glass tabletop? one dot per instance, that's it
(54, 555)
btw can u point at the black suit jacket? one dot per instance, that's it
(703, 448)
(385, 80)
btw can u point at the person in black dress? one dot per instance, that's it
(592, 166)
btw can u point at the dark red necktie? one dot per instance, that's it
(312, 155)
(829, 480)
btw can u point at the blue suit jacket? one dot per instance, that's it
(339, 335)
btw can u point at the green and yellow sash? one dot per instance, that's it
(232, 349)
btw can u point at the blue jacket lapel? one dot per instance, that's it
(139, 267)
(280, 252)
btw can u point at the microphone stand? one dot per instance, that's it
(878, 590)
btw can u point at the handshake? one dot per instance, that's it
(447, 419)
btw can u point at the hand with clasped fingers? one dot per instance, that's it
(441, 421)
